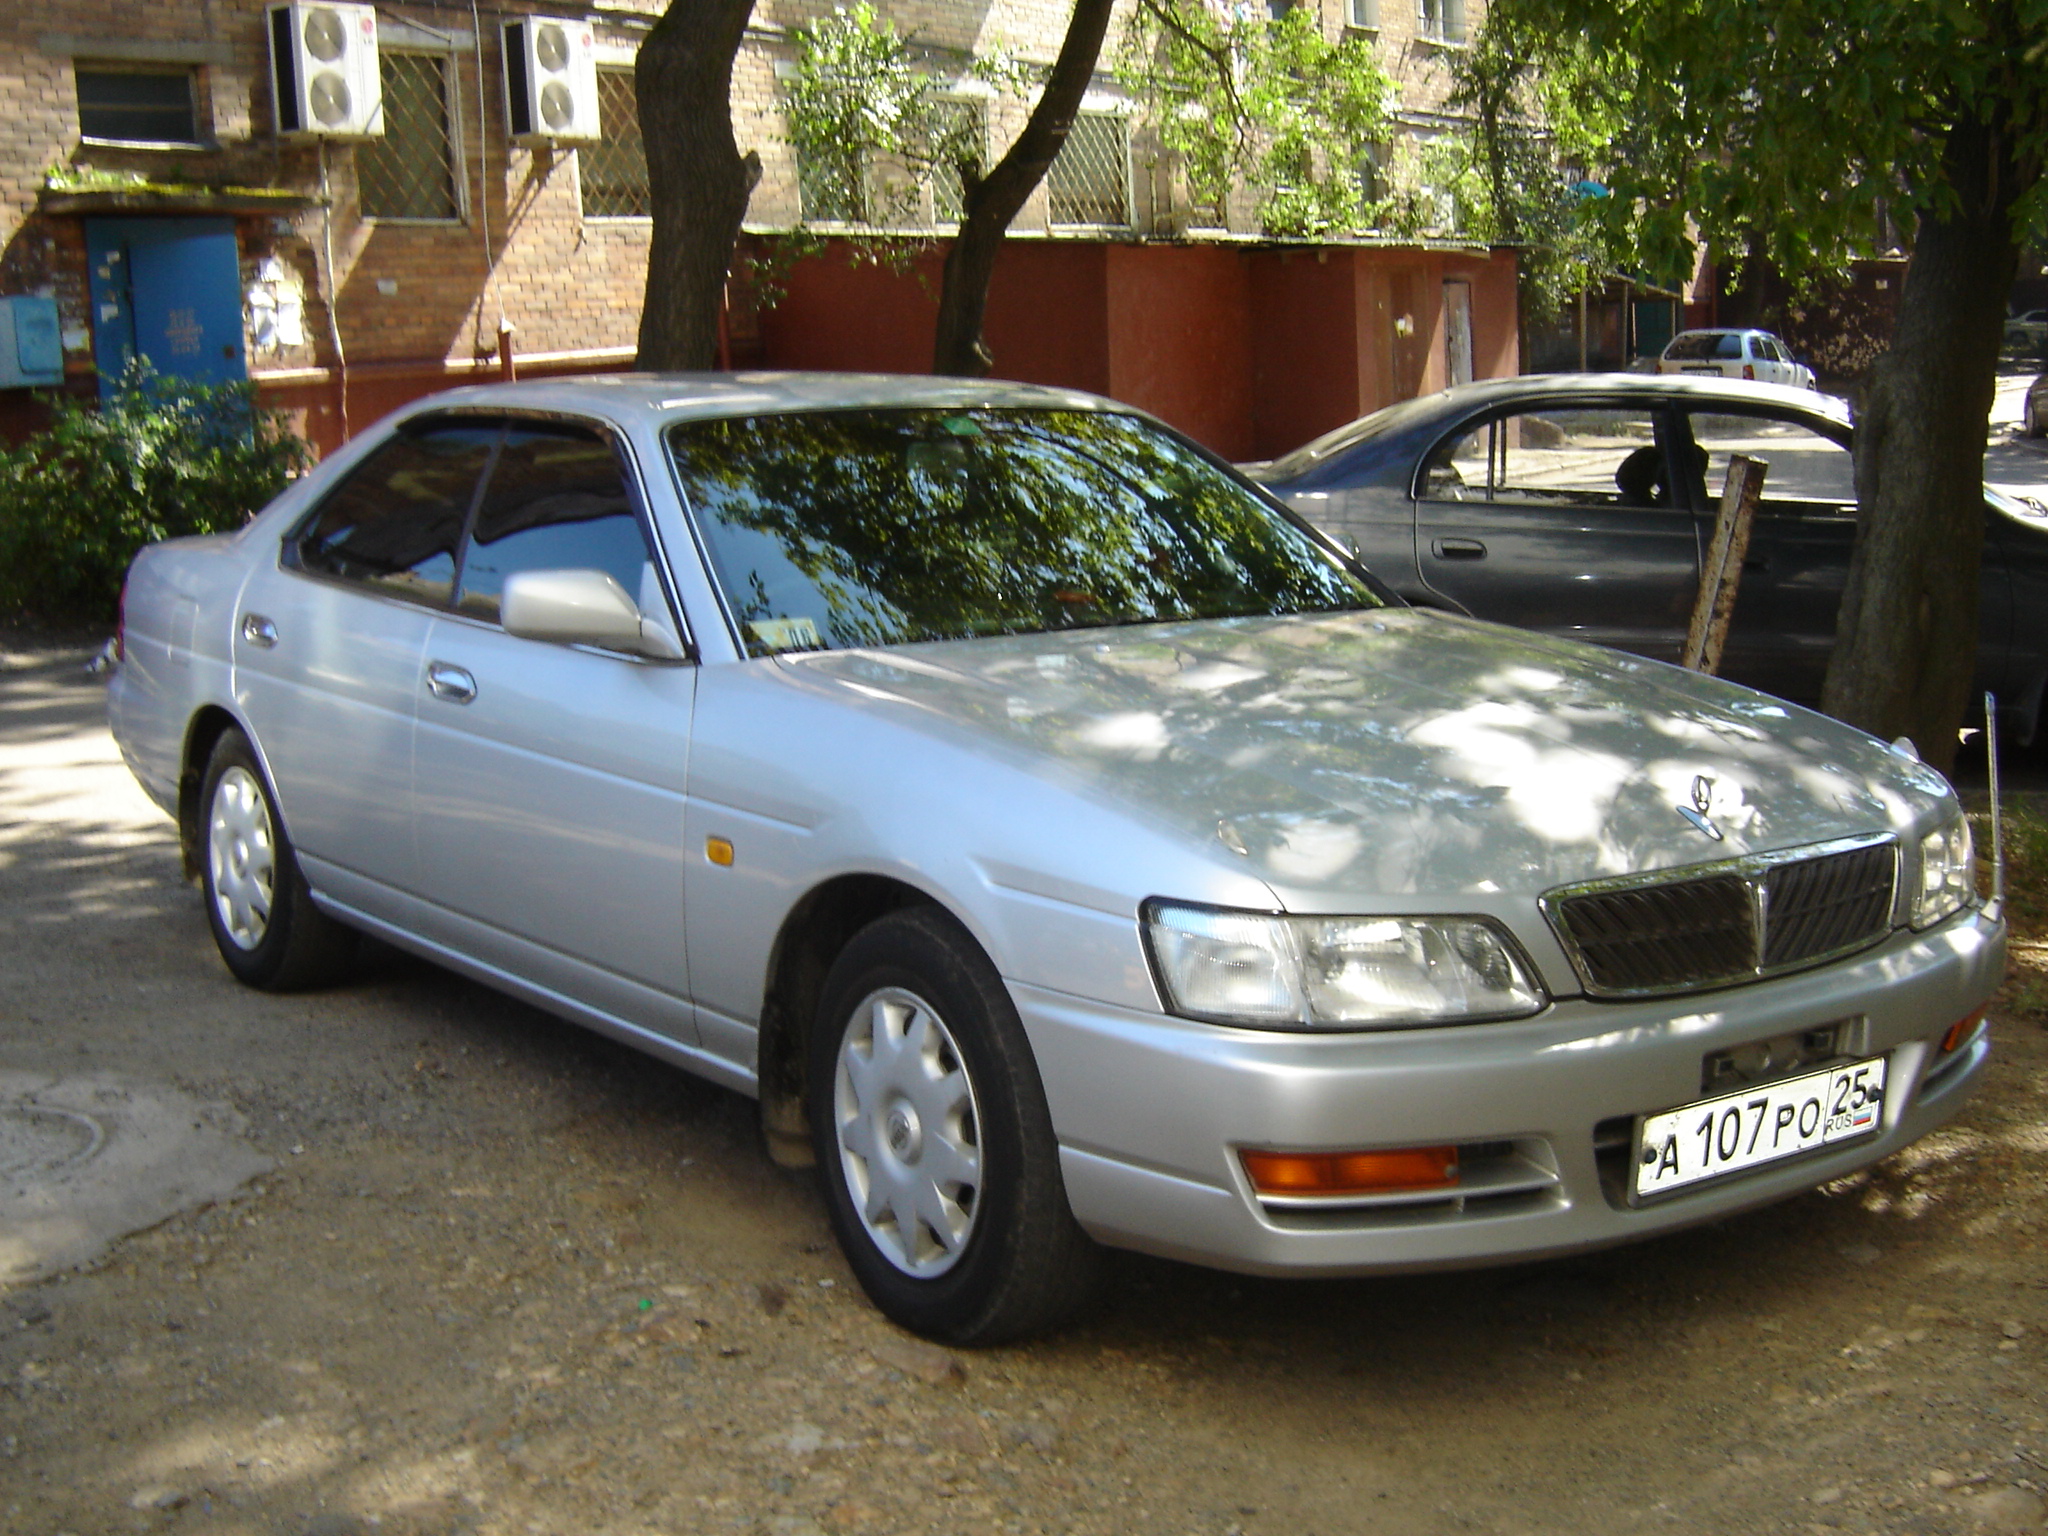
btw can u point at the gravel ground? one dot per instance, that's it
(505, 1277)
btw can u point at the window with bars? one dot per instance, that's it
(967, 121)
(410, 172)
(138, 106)
(1090, 181)
(613, 172)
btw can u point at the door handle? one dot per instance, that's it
(259, 631)
(1457, 549)
(450, 683)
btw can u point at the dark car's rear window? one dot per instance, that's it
(1704, 345)
(838, 529)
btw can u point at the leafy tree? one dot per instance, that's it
(1782, 128)
(163, 457)
(1271, 105)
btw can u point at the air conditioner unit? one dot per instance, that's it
(550, 81)
(323, 71)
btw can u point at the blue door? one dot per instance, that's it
(169, 290)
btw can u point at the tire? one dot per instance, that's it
(264, 922)
(934, 1142)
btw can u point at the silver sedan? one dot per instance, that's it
(1064, 843)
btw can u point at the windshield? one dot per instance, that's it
(834, 530)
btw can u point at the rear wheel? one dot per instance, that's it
(264, 922)
(940, 1168)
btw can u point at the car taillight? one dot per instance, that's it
(1749, 371)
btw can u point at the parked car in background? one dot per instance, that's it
(2034, 408)
(1581, 505)
(1735, 354)
(1061, 840)
(2027, 332)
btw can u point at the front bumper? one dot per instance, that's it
(1150, 1110)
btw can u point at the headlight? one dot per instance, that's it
(1948, 873)
(1336, 972)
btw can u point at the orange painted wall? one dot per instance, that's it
(1305, 346)
(1179, 324)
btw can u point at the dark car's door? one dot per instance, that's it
(1562, 517)
(1799, 549)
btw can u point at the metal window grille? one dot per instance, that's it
(1090, 181)
(949, 201)
(614, 171)
(825, 198)
(410, 172)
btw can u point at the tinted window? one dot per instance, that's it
(395, 521)
(556, 502)
(1580, 457)
(1693, 347)
(1729, 346)
(856, 528)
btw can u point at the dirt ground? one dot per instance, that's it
(508, 1278)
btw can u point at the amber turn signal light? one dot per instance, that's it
(1960, 1031)
(718, 851)
(1351, 1173)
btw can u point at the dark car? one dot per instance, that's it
(1581, 505)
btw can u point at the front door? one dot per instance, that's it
(1565, 519)
(168, 290)
(549, 778)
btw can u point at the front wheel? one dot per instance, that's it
(936, 1148)
(264, 922)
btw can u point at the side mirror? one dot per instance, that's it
(581, 608)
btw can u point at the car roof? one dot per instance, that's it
(1700, 388)
(661, 397)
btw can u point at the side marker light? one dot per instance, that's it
(718, 851)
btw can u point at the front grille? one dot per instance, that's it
(1734, 920)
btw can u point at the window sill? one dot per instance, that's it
(455, 222)
(165, 146)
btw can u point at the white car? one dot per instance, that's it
(2027, 330)
(1732, 354)
(1063, 842)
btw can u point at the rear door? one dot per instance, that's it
(328, 645)
(1562, 517)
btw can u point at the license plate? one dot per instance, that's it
(1713, 368)
(1760, 1125)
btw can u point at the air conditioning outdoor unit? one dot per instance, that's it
(323, 71)
(550, 81)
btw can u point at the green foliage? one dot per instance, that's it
(872, 127)
(161, 458)
(1542, 110)
(1785, 127)
(1271, 105)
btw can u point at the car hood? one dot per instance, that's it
(1401, 752)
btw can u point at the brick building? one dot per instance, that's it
(149, 188)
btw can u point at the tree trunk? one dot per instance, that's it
(698, 183)
(1906, 641)
(993, 201)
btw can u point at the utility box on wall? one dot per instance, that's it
(31, 350)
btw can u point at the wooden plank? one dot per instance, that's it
(1721, 576)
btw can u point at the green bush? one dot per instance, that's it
(162, 457)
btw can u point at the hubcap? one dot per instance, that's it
(909, 1136)
(241, 857)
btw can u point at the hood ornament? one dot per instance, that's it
(1702, 800)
